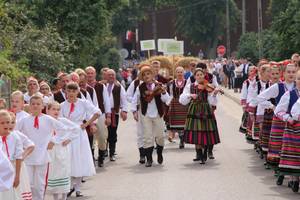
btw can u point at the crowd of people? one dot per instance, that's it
(271, 104)
(51, 132)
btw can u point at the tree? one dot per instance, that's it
(204, 21)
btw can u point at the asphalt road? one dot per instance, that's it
(236, 174)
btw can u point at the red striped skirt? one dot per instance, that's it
(290, 151)
(275, 141)
(265, 131)
(177, 115)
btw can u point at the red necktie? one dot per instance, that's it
(6, 146)
(36, 122)
(72, 108)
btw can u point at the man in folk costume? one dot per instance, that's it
(130, 94)
(105, 119)
(151, 96)
(118, 103)
(60, 95)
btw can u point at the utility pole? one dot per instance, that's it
(243, 16)
(228, 29)
(259, 23)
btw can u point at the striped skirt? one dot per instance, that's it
(177, 115)
(249, 127)
(265, 131)
(255, 130)
(290, 151)
(275, 141)
(201, 125)
(243, 127)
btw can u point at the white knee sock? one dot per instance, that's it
(55, 196)
(64, 196)
(77, 184)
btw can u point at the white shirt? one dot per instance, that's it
(67, 135)
(26, 142)
(295, 112)
(83, 110)
(41, 136)
(152, 111)
(6, 173)
(130, 91)
(281, 110)
(185, 97)
(15, 147)
(20, 115)
(244, 91)
(123, 100)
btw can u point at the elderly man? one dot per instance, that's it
(105, 119)
(118, 103)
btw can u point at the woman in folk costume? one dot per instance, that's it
(150, 95)
(269, 99)
(200, 126)
(276, 91)
(6, 173)
(59, 181)
(290, 159)
(244, 93)
(82, 113)
(28, 147)
(177, 112)
(254, 90)
(283, 112)
(32, 89)
(12, 146)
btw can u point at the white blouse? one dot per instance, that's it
(295, 112)
(281, 110)
(14, 147)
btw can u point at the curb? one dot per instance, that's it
(230, 96)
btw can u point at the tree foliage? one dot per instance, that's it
(205, 21)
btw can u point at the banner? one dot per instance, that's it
(147, 45)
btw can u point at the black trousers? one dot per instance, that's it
(112, 136)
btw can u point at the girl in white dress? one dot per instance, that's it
(28, 147)
(59, 180)
(78, 111)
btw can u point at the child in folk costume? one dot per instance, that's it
(6, 173)
(59, 181)
(150, 95)
(12, 146)
(28, 147)
(177, 112)
(200, 126)
(283, 112)
(140, 143)
(82, 113)
(244, 93)
(269, 99)
(38, 127)
(17, 105)
(254, 90)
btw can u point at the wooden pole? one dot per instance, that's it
(149, 54)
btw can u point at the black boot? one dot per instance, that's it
(201, 156)
(210, 152)
(280, 180)
(295, 186)
(181, 143)
(198, 156)
(159, 151)
(142, 155)
(205, 154)
(101, 158)
(149, 152)
(112, 149)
